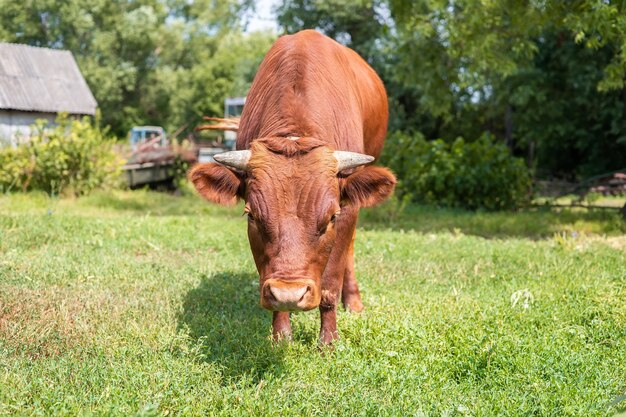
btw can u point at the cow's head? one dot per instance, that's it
(294, 191)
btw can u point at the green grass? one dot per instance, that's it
(142, 303)
(591, 199)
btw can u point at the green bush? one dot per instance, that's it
(73, 157)
(473, 175)
(184, 153)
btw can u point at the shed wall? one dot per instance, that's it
(16, 124)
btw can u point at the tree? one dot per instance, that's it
(366, 27)
(145, 60)
(183, 94)
(572, 128)
(546, 77)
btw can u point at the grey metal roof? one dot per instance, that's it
(42, 79)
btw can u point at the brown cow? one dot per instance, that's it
(315, 116)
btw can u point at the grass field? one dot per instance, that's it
(142, 303)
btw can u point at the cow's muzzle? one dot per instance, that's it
(290, 295)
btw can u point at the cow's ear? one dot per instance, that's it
(216, 183)
(368, 186)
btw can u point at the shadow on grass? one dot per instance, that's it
(223, 314)
(534, 223)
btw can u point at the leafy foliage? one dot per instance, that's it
(547, 78)
(356, 23)
(147, 62)
(73, 157)
(182, 149)
(558, 113)
(544, 77)
(478, 174)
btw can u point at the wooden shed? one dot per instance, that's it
(38, 83)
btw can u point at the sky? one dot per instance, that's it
(263, 18)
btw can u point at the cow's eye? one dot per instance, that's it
(246, 212)
(333, 218)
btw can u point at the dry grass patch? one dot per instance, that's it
(54, 321)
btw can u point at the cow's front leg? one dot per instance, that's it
(281, 326)
(350, 295)
(332, 279)
(328, 330)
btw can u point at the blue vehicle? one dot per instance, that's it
(154, 135)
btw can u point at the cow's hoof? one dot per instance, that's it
(327, 338)
(353, 304)
(282, 336)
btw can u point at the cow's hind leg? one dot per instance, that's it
(281, 326)
(350, 295)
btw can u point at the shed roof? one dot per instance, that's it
(42, 79)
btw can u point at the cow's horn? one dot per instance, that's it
(347, 160)
(234, 159)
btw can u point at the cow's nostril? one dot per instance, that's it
(306, 291)
(270, 294)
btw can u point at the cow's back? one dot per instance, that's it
(309, 85)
